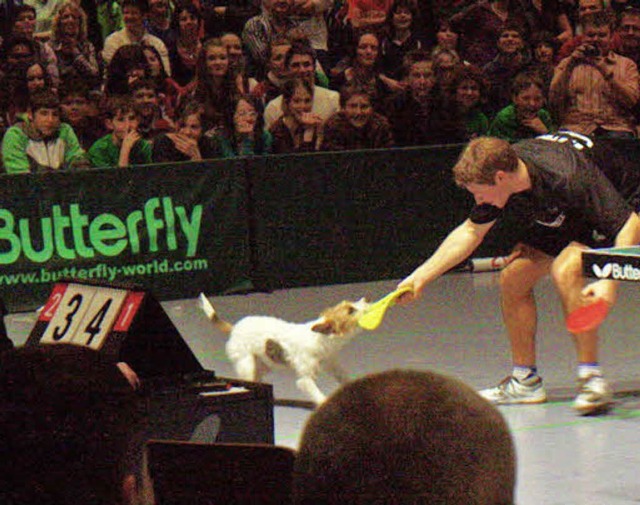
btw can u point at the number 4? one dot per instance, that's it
(95, 325)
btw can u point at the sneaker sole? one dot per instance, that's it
(524, 401)
(594, 410)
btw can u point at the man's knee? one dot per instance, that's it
(567, 267)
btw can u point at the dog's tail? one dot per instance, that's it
(212, 315)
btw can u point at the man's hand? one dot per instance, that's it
(129, 374)
(536, 124)
(186, 145)
(129, 140)
(604, 289)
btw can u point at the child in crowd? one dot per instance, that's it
(76, 104)
(356, 126)
(42, 142)
(187, 143)
(271, 87)
(298, 129)
(124, 146)
(152, 116)
(525, 116)
(243, 134)
(469, 88)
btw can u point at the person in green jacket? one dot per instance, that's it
(42, 142)
(124, 146)
(525, 116)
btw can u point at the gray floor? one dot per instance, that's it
(456, 329)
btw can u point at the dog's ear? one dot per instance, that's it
(325, 327)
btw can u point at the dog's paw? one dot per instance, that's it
(206, 306)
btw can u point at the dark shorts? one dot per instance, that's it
(552, 241)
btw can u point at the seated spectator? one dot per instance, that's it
(45, 13)
(447, 37)
(513, 57)
(42, 142)
(152, 116)
(356, 125)
(215, 84)
(594, 91)
(237, 62)
(20, 83)
(525, 117)
(76, 56)
(469, 87)
(273, 21)
(23, 25)
(549, 16)
(124, 146)
(269, 88)
(420, 115)
(446, 63)
(187, 143)
(544, 58)
(401, 37)
(299, 128)
(405, 437)
(76, 103)
(365, 70)
(158, 22)
(68, 428)
(134, 32)
(479, 26)
(244, 133)
(300, 63)
(628, 31)
(169, 91)
(187, 23)
(129, 63)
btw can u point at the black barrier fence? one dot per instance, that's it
(222, 226)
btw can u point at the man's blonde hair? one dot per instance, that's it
(482, 158)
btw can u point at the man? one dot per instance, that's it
(134, 32)
(300, 63)
(553, 187)
(405, 438)
(594, 90)
(628, 31)
(68, 434)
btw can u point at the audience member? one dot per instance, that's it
(244, 133)
(470, 95)
(584, 7)
(525, 116)
(124, 146)
(401, 37)
(299, 128)
(20, 83)
(548, 16)
(237, 62)
(405, 438)
(169, 91)
(187, 143)
(187, 23)
(129, 63)
(23, 25)
(446, 63)
(134, 32)
(628, 30)
(271, 86)
(76, 56)
(215, 85)
(420, 115)
(76, 110)
(110, 19)
(513, 57)
(153, 118)
(366, 70)
(479, 26)
(356, 125)
(68, 428)
(158, 22)
(594, 90)
(447, 37)
(543, 61)
(274, 20)
(45, 12)
(42, 142)
(309, 17)
(228, 15)
(300, 64)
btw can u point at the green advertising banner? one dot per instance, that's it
(176, 230)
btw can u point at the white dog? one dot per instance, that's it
(258, 344)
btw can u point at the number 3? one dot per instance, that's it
(75, 302)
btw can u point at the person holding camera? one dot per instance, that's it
(594, 90)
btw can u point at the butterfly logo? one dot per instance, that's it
(604, 272)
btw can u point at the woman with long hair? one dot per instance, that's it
(187, 23)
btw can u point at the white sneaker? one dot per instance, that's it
(594, 396)
(512, 391)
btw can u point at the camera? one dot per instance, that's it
(591, 51)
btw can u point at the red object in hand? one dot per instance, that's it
(587, 317)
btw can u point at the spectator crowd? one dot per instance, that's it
(106, 83)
